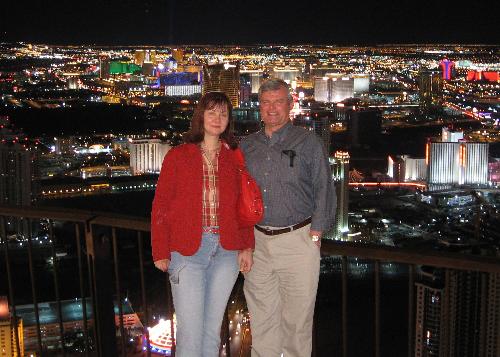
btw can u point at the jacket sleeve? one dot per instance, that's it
(160, 219)
(247, 236)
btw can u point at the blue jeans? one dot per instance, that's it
(201, 285)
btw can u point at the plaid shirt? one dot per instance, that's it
(210, 198)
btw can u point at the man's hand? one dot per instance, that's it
(316, 237)
(245, 260)
(162, 264)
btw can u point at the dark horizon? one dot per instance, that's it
(195, 22)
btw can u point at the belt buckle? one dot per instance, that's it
(211, 229)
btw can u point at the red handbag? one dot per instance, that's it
(250, 208)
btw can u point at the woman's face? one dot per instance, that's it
(215, 120)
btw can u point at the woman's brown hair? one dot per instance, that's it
(209, 101)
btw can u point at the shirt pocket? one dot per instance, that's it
(291, 166)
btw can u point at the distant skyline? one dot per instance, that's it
(165, 22)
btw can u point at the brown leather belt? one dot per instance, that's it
(274, 232)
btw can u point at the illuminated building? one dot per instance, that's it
(182, 90)
(451, 136)
(73, 82)
(429, 306)
(150, 57)
(256, 78)
(65, 145)
(334, 87)
(457, 314)
(340, 175)
(342, 88)
(72, 320)
(139, 57)
(361, 84)
(116, 67)
(396, 168)
(104, 64)
(456, 162)
(322, 89)
(403, 168)
(9, 340)
(494, 172)
(430, 86)
(487, 76)
(160, 337)
(179, 78)
(146, 155)
(223, 78)
(287, 74)
(415, 169)
(178, 55)
(446, 68)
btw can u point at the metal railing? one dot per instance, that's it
(101, 277)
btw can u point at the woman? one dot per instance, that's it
(194, 230)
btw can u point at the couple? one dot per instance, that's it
(196, 237)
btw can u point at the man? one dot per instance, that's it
(292, 170)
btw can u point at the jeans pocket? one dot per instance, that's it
(177, 263)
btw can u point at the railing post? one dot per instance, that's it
(99, 255)
(411, 309)
(344, 306)
(377, 308)
(82, 289)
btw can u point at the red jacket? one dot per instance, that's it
(176, 217)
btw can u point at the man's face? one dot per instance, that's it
(275, 108)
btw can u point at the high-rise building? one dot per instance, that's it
(396, 168)
(322, 89)
(223, 78)
(336, 87)
(182, 90)
(255, 78)
(178, 55)
(363, 125)
(342, 88)
(146, 156)
(16, 174)
(340, 175)
(287, 74)
(9, 340)
(361, 84)
(494, 172)
(457, 314)
(403, 168)
(104, 67)
(456, 163)
(449, 136)
(139, 57)
(430, 86)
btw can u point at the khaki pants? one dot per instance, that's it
(280, 291)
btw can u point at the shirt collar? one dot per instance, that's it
(278, 135)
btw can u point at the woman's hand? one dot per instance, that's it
(162, 264)
(245, 260)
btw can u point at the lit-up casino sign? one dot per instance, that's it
(160, 338)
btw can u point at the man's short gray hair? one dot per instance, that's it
(272, 84)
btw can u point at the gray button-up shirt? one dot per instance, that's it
(292, 189)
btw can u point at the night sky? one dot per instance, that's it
(149, 22)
